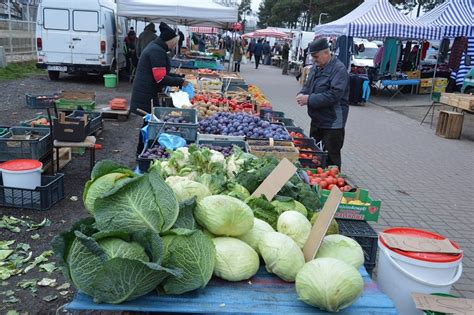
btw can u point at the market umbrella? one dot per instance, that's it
(249, 35)
(270, 32)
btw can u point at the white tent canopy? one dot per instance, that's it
(378, 19)
(189, 12)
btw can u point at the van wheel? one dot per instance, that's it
(53, 75)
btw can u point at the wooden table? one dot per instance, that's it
(88, 143)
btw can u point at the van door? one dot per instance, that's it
(85, 37)
(56, 37)
(109, 34)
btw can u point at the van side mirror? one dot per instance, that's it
(468, 60)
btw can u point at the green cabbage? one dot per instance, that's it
(143, 203)
(343, 248)
(194, 253)
(111, 267)
(282, 255)
(254, 236)
(329, 284)
(235, 260)
(237, 191)
(295, 225)
(291, 204)
(333, 227)
(224, 215)
(185, 189)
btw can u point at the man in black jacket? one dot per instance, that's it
(153, 71)
(326, 93)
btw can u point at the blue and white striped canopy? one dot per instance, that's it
(456, 16)
(463, 68)
(379, 19)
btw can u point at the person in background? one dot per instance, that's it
(238, 53)
(251, 48)
(258, 52)
(147, 36)
(130, 50)
(195, 39)
(326, 94)
(202, 44)
(180, 41)
(285, 56)
(267, 53)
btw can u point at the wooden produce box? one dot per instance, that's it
(426, 83)
(449, 124)
(276, 148)
(462, 101)
(77, 95)
(413, 74)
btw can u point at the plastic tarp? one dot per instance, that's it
(456, 16)
(378, 19)
(189, 12)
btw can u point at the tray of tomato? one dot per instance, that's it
(296, 132)
(327, 178)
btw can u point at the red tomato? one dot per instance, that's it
(334, 171)
(347, 188)
(309, 173)
(330, 186)
(341, 182)
(319, 170)
(318, 180)
(323, 184)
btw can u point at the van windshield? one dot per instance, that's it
(368, 53)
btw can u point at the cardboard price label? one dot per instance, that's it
(419, 244)
(448, 305)
(276, 180)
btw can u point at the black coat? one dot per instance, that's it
(145, 88)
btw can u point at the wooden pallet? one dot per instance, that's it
(120, 115)
(449, 124)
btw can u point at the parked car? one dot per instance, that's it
(79, 37)
(365, 58)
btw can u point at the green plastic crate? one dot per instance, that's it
(75, 104)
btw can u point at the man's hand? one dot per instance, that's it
(302, 100)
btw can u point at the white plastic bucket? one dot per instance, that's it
(399, 276)
(24, 174)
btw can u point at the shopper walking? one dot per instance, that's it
(267, 53)
(251, 48)
(326, 93)
(285, 54)
(147, 36)
(258, 52)
(238, 53)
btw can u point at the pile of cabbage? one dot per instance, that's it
(179, 224)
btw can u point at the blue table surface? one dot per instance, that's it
(401, 82)
(263, 294)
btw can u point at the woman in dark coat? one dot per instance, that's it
(153, 71)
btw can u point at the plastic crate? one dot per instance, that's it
(205, 64)
(27, 123)
(364, 234)
(4, 131)
(36, 148)
(145, 163)
(40, 101)
(43, 197)
(269, 114)
(75, 104)
(186, 131)
(285, 121)
(320, 159)
(241, 144)
(95, 120)
(297, 129)
(190, 115)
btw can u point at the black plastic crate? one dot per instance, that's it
(41, 101)
(145, 163)
(186, 131)
(43, 197)
(297, 129)
(36, 147)
(364, 234)
(308, 143)
(190, 115)
(95, 120)
(320, 159)
(269, 114)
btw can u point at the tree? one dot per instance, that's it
(244, 9)
(426, 5)
(286, 12)
(265, 13)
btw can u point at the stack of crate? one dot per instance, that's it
(438, 85)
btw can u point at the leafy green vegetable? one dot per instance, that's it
(186, 215)
(216, 182)
(111, 267)
(185, 189)
(254, 236)
(264, 210)
(237, 191)
(224, 215)
(333, 227)
(194, 253)
(283, 204)
(295, 225)
(99, 187)
(143, 203)
(343, 248)
(235, 260)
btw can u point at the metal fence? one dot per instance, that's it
(18, 28)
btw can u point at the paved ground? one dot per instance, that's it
(424, 181)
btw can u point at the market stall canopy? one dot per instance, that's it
(456, 16)
(270, 32)
(204, 30)
(378, 19)
(249, 35)
(189, 12)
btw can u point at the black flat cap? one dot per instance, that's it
(166, 32)
(318, 45)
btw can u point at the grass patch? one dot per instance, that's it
(19, 70)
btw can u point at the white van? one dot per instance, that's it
(79, 37)
(365, 58)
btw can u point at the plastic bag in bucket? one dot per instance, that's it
(171, 141)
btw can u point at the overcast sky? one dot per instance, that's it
(255, 4)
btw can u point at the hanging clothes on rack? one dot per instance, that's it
(443, 50)
(389, 59)
(424, 49)
(345, 47)
(458, 49)
(378, 56)
(406, 51)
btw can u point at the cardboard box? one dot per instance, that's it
(70, 129)
(426, 83)
(441, 81)
(369, 212)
